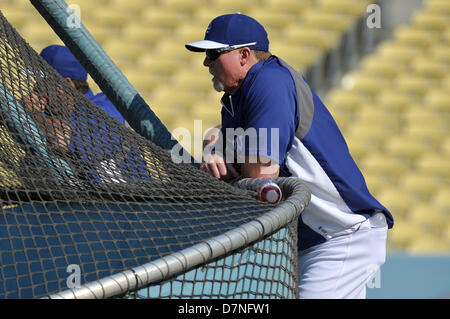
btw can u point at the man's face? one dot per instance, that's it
(226, 71)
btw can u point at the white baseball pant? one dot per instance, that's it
(340, 267)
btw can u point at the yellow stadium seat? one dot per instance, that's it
(375, 65)
(403, 234)
(108, 16)
(16, 16)
(288, 6)
(438, 99)
(398, 53)
(367, 84)
(124, 53)
(297, 56)
(377, 116)
(344, 99)
(445, 146)
(446, 84)
(393, 100)
(428, 244)
(307, 35)
(438, 6)
(435, 164)
(162, 18)
(351, 7)
(406, 147)
(272, 20)
(172, 98)
(159, 66)
(421, 116)
(428, 68)
(397, 202)
(428, 218)
(441, 200)
(141, 81)
(375, 182)
(327, 20)
(384, 165)
(141, 33)
(434, 21)
(132, 7)
(414, 85)
(184, 6)
(172, 50)
(421, 186)
(193, 80)
(232, 6)
(414, 37)
(426, 134)
(441, 54)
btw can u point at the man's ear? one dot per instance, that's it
(245, 55)
(69, 80)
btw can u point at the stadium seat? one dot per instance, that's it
(432, 21)
(407, 148)
(365, 84)
(384, 165)
(143, 82)
(415, 37)
(344, 99)
(273, 21)
(327, 20)
(419, 115)
(162, 18)
(398, 53)
(438, 6)
(428, 244)
(396, 201)
(289, 6)
(159, 66)
(441, 54)
(438, 100)
(421, 186)
(193, 80)
(144, 34)
(445, 146)
(426, 134)
(428, 218)
(404, 234)
(441, 200)
(183, 6)
(349, 7)
(375, 65)
(16, 16)
(310, 36)
(392, 100)
(132, 7)
(109, 16)
(232, 6)
(414, 85)
(374, 115)
(434, 164)
(298, 56)
(429, 68)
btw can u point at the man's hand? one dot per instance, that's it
(215, 165)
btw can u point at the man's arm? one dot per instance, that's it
(259, 166)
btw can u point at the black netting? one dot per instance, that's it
(77, 187)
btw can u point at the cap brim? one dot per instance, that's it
(201, 46)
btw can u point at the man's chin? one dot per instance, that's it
(218, 86)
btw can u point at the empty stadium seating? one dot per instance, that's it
(393, 109)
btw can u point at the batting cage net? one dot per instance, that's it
(79, 190)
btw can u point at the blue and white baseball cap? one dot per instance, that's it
(232, 30)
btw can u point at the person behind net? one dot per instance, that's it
(342, 232)
(89, 136)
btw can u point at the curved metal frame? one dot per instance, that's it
(297, 198)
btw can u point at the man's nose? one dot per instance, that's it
(207, 62)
